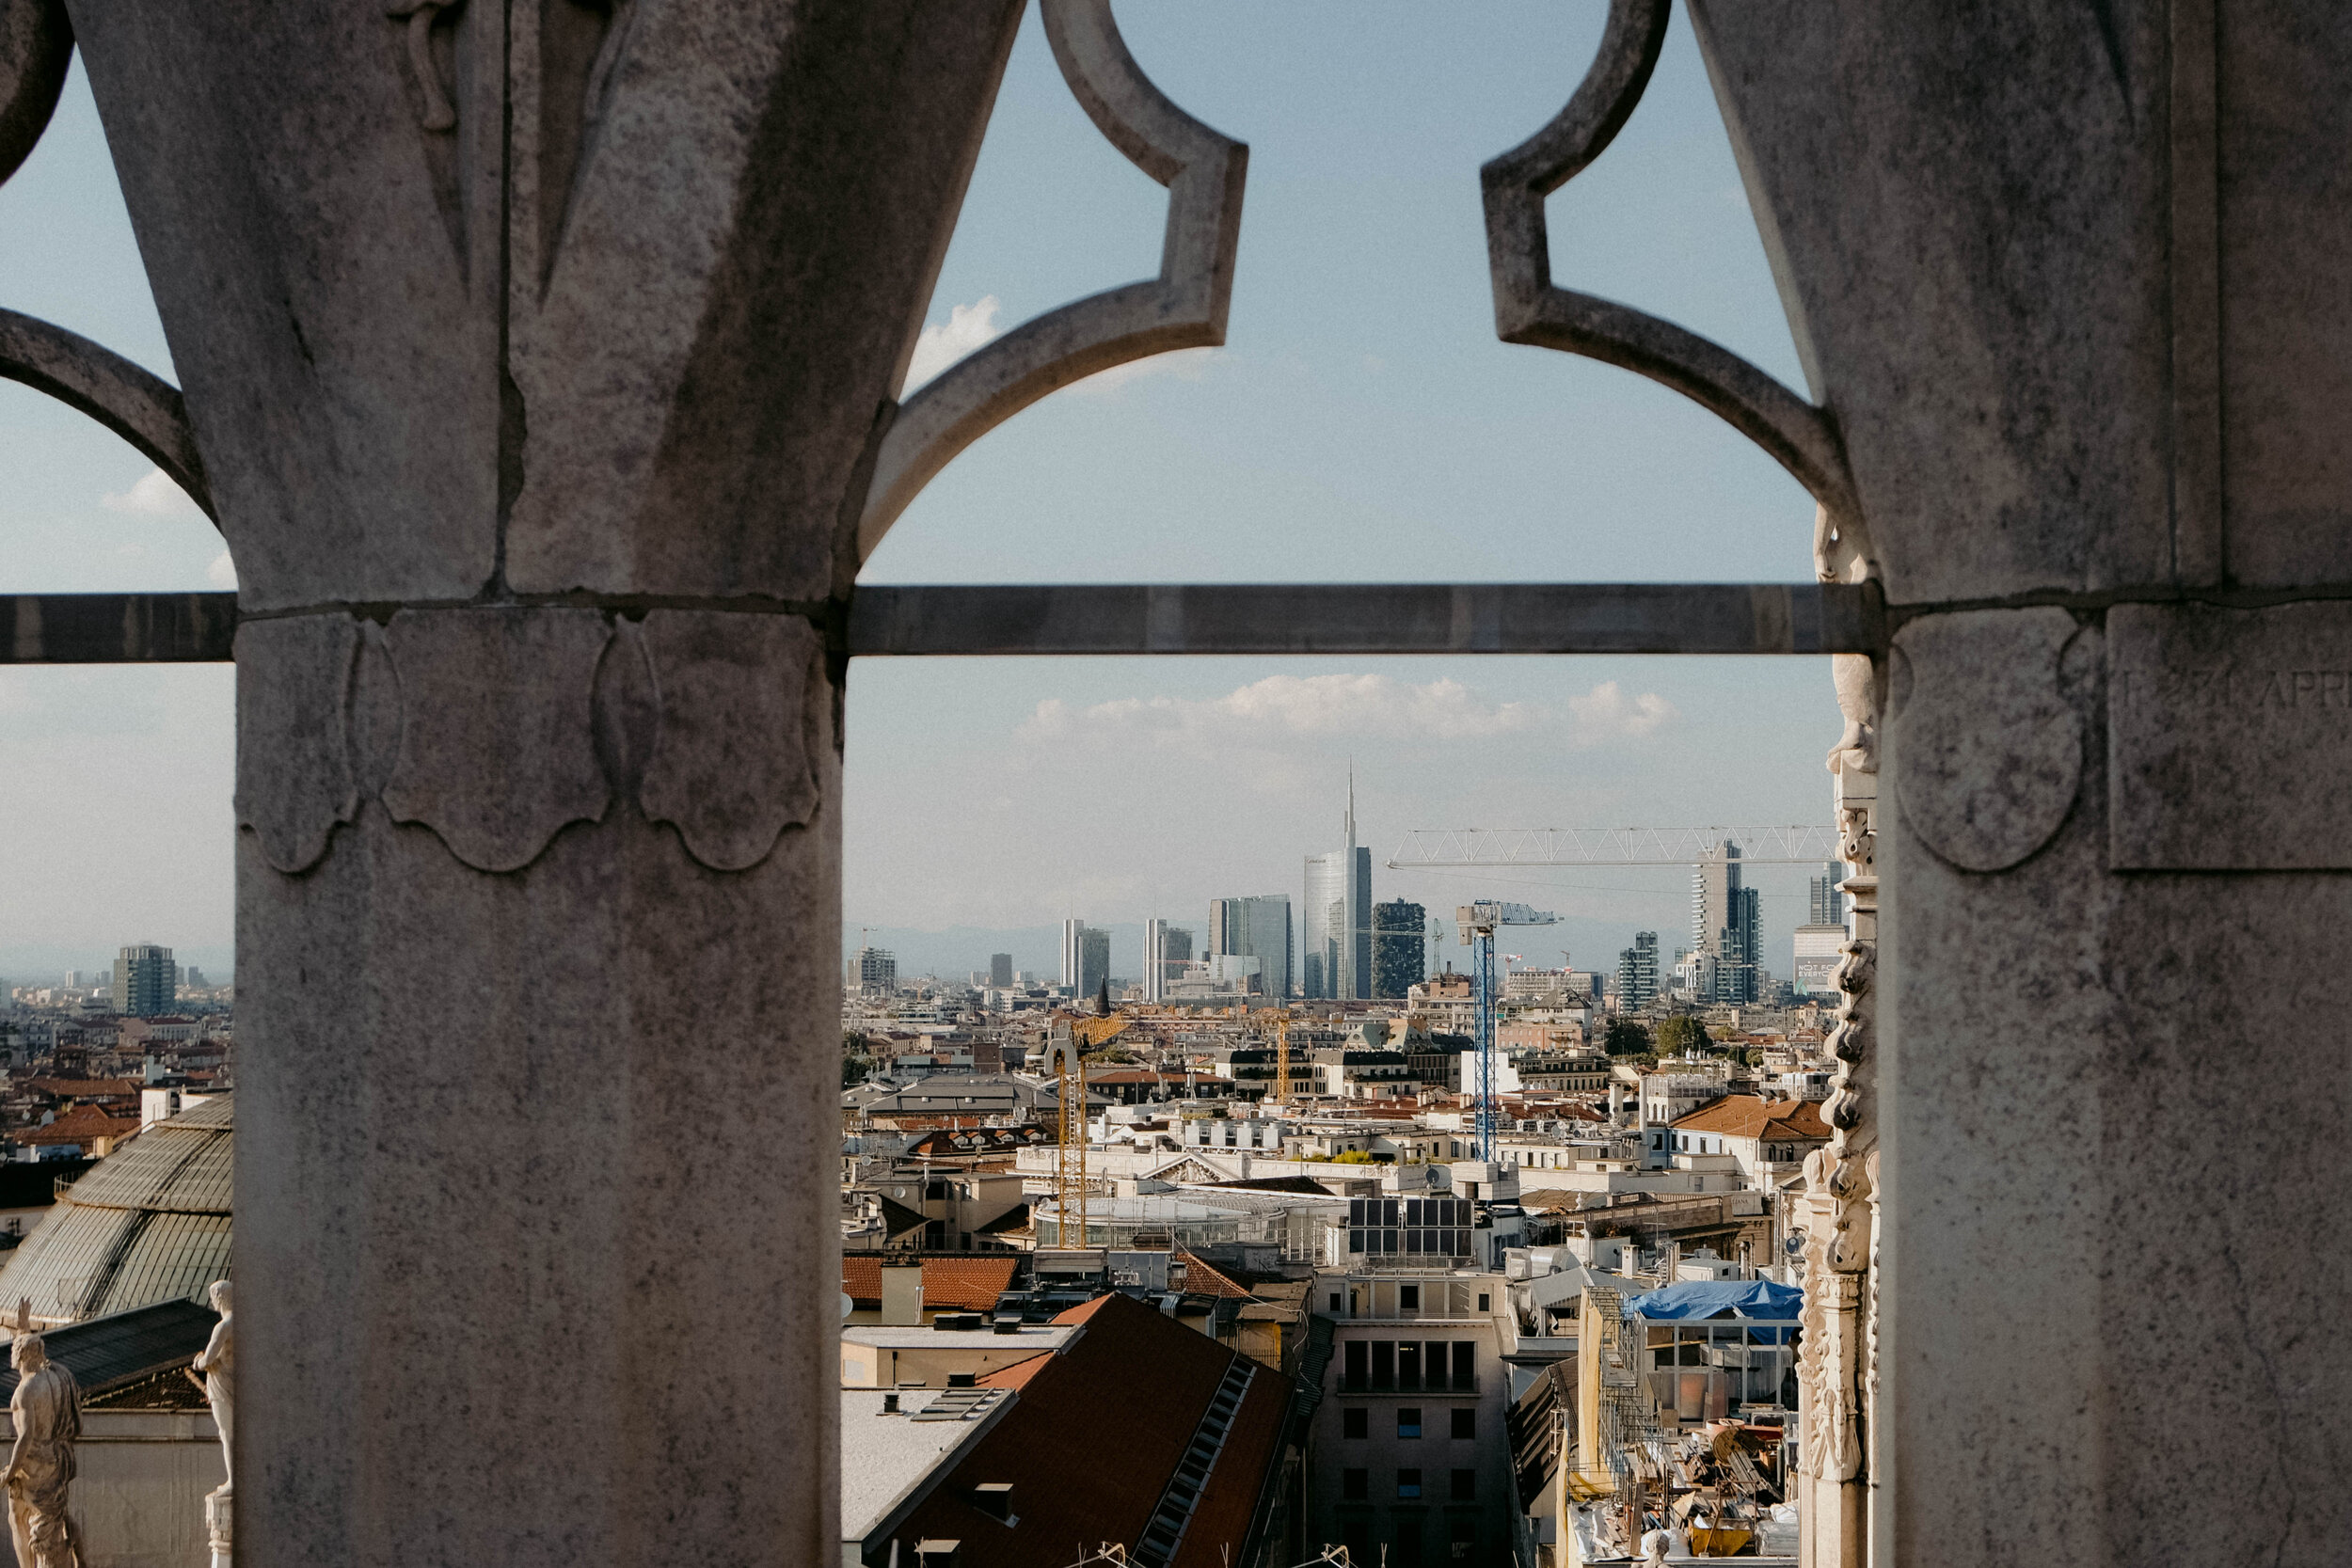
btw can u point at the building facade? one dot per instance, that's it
(1819, 949)
(1085, 958)
(873, 971)
(1337, 960)
(1637, 973)
(1400, 950)
(1255, 927)
(147, 983)
(1409, 1458)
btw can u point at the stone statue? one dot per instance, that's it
(219, 1370)
(47, 1412)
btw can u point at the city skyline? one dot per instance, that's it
(1361, 414)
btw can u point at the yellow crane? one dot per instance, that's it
(1067, 1051)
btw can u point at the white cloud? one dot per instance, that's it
(967, 327)
(154, 496)
(222, 573)
(1607, 711)
(1348, 708)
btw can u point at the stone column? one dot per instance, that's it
(2071, 289)
(538, 355)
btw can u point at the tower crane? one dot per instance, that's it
(1478, 922)
(1067, 1050)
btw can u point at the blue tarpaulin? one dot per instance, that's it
(1706, 1298)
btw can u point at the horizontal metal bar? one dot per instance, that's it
(1116, 618)
(1371, 618)
(116, 629)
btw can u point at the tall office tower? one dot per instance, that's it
(1637, 972)
(1000, 969)
(1256, 928)
(1166, 951)
(1827, 903)
(146, 981)
(1338, 949)
(192, 978)
(73, 979)
(873, 971)
(1094, 962)
(1073, 930)
(1725, 923)
(1400, 947)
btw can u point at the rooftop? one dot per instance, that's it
(885, 1458)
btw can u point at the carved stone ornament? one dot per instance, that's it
(294, 773)
(1531, 309)
(744, 712)
(497, 745)
(1992, 748)
(1185, 307)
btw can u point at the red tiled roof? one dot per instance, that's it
(1118, 1406)
(949, 1284)
(79, 1126)
(87, 1089)
(1201, 1279)
(1744, 1115)
(1016, 1374)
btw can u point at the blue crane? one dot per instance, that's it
(1478, 922)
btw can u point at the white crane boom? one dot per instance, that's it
(1800, 844)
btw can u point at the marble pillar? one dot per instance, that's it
(2069, 282)
(538, 353)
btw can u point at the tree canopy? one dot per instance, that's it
(1683, 1036)
(1625, 1038)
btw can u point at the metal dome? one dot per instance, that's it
(147, 1224)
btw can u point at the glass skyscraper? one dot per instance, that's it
(1337, 957)
(1260, 928)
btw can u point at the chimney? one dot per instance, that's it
(902, 1295)
(995, 1498)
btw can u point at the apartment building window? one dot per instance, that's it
(1466, 1363)
(1408, 1363)
(1357, 1374)
(1384, 1363)
(1408, 1421)
(1463, 1488)
(1354, 1485)
(1409, 1487)
(1408, 1298)
(1465, 1420)
(1335, 1301)
(1356, 1534)
(1356, 1421)
(1462, 1540)
(1408, 1544)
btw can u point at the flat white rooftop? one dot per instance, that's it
(1033, 1339)
(886, 1458)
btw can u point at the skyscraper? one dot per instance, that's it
(1637, 972)
(1337, 960)
(1827, 903)
(1085, 958)
(146, 981)
(1725, 920)
(1166, 951)
(873, 971)
(1000, 969)
(1400, 950)
(1257, 928)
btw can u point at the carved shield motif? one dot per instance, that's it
(1989, 750)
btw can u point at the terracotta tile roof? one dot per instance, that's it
(949, 1284)
(79, 1126)
(1118, 1406)
(87, 1089)
(1017, 1375)
(1202, 1279)
(1744, 1115)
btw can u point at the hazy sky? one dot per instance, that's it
(1362, 423)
